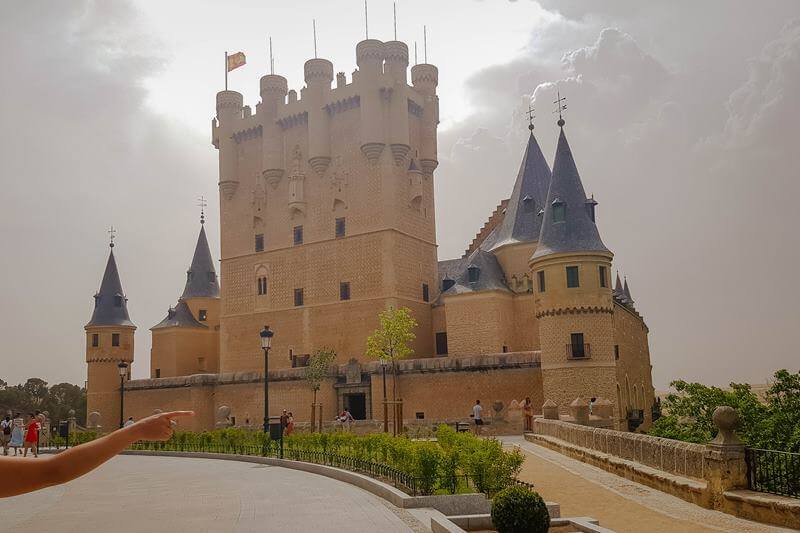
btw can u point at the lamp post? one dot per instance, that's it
(384, 362)
(123, 369)
(266, 343)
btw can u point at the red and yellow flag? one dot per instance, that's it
(236, 60)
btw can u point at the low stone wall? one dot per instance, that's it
(676, 457)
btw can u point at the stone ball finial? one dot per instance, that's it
(71, 413)
(93, 420)
(726, 419)
(223, 412)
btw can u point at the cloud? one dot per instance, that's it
(80, 151)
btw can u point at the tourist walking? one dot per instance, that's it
(31, 436)
(477, 411)
(17, 434)
(284, 422)
(527, 411)
(5, 432)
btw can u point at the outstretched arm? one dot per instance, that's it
(29, 475)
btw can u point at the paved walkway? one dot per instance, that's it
(155, 494)
(618, 503)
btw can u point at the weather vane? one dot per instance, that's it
(201, 203)
(531, 116)
(112, 233)
(560, 106)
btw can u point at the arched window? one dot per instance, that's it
(261, 282)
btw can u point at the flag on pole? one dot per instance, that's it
(236, 60)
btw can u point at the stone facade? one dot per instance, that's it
(327, 218)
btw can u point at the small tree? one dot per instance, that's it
(391, 341)
(316, 371)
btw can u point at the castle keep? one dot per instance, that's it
(327, 217)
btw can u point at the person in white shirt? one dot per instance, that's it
(128, 422)
(6, 425)
(476, 415)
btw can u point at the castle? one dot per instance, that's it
(327, 217)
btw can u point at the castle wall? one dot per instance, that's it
(634, 371)
(184, 351)
(481, 322)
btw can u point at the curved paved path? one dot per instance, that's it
(144, 494)
(620, 504)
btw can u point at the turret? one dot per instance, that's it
(109, 343)
(369, 57)
(229, 110)
(395, 67)
(318, 76)
(571, 267)
(273, 94)
(425, 78)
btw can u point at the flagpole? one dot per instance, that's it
(226, 70)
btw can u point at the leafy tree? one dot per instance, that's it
(316, 371)
(391, 341)
(773, 423)
(36, 389)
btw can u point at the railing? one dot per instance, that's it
(413, 485)
(773, 471)
(579, 351)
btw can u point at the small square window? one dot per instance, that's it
(602, 271)
(202, 315)
(298, 297)
(425, 293)
(341, 227)
(260, 242)
(344, 290)
(298, 235)
(540, 275)
(115, 339)
(95, 340)
(158, 372)
(572, 277)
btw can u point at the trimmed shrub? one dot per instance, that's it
(518, 509)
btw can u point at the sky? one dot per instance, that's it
(683, 117)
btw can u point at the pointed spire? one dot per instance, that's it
(627, 291)
(567, 224)
(522, 222)
(110, 304)
(618, 285)
(201, 278)
(179, 316)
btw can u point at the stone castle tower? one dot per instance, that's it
(326, 207)
(109, 342)
(574, 307)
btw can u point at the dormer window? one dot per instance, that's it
(590, 203)
(528, 205)
(559, 211)
(202, 315)
(473, 273)
(117, 301)
(188, 276)
(447, 283)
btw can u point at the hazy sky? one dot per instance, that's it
(683, 116)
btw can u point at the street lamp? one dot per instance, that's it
(123, 369)
(266, 343)
(384, 363)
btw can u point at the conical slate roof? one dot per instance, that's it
(110, 304)
(577, 232)
(627, 291)
(522, 222)
(179, 316)
(201, 278)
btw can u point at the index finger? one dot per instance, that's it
(177, 414)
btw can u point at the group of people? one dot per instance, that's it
(21, 432)
(287, 423)
(527, 412)
(345, 419)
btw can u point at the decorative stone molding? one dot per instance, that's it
(273, 176)
(372, 151)
(399, 153)
(345, 104)
(575, 311)
(319, 164)
(248, 134)
(228, 188)
(428, 166)
(291, 121)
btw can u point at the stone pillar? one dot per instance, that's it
(725, 465)
(550, 410)
(579, 410)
